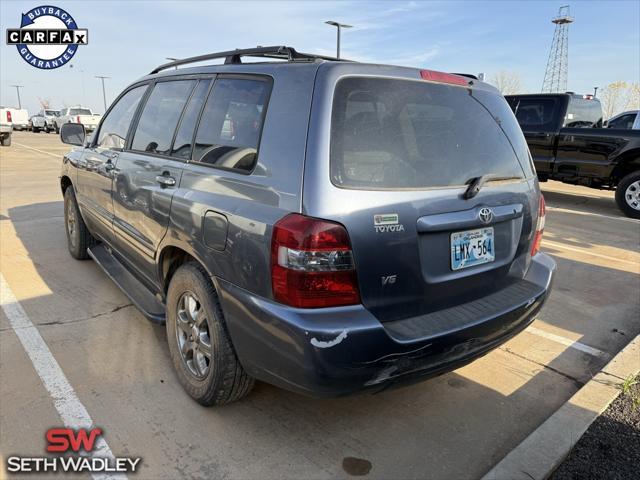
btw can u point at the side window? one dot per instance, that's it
(182, 144)
(231, 124)
(160, 116)
(114, 128)
(623, 122)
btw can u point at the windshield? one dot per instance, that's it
(55, 113)
(80, 111)
(399, 134)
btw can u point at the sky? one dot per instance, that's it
(127, 39)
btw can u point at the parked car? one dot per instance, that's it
(625, 121)
(564, 132)
(80, 115)
(20, 118)
(50, 118)
(6, 126)
(37, 123)
(322, 225)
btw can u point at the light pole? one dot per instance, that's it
(595, 91)
(339, 26)
(18, 87)
(173, 59)
(104, 95)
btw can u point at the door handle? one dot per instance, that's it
(166, 180)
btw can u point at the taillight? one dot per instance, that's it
(78, 119)
(312, 263)
(442, 77)
(537, 239)
(8, 116)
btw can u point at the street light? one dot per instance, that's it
(595, 91)
(18, 87)
(173, 60)
(340, 26)
(104, 95)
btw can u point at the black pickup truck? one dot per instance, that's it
(565, 135)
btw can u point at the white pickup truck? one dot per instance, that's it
(6, 126)
(81, 115)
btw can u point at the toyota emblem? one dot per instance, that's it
(486, 215)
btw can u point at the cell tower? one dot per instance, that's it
(555, 76)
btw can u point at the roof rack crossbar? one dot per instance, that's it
(235, 56)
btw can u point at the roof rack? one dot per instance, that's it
(235, 56)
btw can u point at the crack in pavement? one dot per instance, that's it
(59, 322)
(578, 383)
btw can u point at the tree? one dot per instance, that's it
(618, 97)
(507, 82)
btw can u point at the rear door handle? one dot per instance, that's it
(166, 180)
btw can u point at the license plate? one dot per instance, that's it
(473, 247)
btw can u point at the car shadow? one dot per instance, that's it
(457, 425)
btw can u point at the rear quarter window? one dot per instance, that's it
(393, 134)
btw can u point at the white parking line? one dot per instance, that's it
(71, 411)
(591, 214)
(38, 150)
(567, 342)
(587, 252)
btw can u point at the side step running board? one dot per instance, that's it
(139, 295)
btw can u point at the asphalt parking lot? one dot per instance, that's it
(455, 426)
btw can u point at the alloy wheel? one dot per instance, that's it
(192, 334)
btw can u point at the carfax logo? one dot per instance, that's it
(48, 37)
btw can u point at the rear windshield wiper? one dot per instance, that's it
(476, 183)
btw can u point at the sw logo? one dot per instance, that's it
(65, 439)
(48, 37)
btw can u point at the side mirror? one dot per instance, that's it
(73, 134)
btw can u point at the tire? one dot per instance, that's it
(6, 140)
(57, 129)
(222, 380)
(79, 239)
(628, 195)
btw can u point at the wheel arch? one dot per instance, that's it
(170, 258)
(626, 163)
(65, 182)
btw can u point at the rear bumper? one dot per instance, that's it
(337, 351)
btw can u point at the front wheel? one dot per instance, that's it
(57, 129)
(201, 350)
(79, 239)
(628, 195)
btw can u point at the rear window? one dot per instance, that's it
(399, 134)
(80, 111)
(583, 113)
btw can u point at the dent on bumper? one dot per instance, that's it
(336, 351)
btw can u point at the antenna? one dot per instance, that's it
(555, 76)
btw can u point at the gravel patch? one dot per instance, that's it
(610, 448)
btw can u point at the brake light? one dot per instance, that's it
(8, 116)
(537, 239)
(442, 77)
(312, 263)
(78, 119)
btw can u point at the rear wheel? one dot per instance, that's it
(628, 195)
(201, 350)
(6, 140)
(79, 239)
(57, 129)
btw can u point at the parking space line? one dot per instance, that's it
(38, 150)
(591, 214)
(72, 412)
(587, 252)
(567, 342)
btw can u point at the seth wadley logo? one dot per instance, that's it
(48, 37)
(66, 440)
